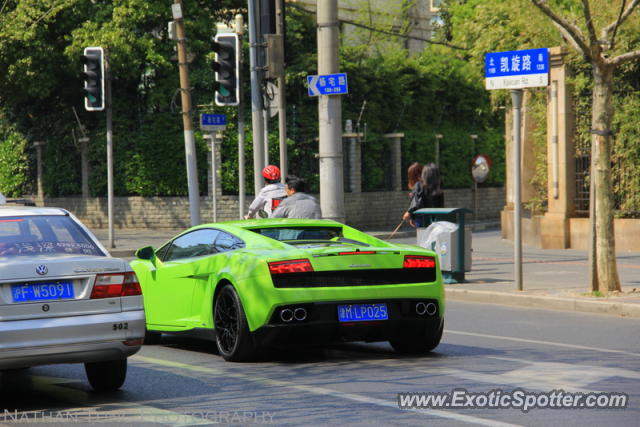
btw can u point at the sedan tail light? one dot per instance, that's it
(116, 285)
(291, 266)
(418, 261)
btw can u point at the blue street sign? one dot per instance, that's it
(213, 122)
(213, 119)
(328, 84)
(516, 69)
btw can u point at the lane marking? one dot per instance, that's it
(324, 392)
(550, 343)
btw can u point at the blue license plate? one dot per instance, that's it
(362, 312)
(42, 291)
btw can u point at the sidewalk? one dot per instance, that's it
(552, 279)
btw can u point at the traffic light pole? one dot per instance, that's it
(107, 71)
(241, 135)
(189, 139)
(256, 98)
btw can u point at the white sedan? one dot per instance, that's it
(63, 298)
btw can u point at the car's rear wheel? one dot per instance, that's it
(232, 331)
(415, 344)
(108, 375)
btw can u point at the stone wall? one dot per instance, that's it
(371, 210)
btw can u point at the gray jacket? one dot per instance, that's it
(298, 205)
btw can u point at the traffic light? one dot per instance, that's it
(93, 74)
(226, 66)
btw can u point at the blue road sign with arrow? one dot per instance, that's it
(327, 84)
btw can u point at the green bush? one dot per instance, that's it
(13, 161)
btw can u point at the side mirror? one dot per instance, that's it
(147, 253)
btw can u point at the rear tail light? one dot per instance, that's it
(291, 266)
(116, 285)
(417, 261)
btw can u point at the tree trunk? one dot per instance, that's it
(601, 138)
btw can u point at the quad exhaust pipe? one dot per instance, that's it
(429, 309)
(299, 314)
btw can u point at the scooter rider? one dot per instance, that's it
(270, 195)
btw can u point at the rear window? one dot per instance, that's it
(45, 234)
(284, 234)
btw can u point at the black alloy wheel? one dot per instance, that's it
(233, 338)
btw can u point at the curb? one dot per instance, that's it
(622, 309)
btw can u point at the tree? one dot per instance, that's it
(604, 57)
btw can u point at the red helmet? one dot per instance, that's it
(271, 173)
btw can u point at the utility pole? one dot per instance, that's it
(474, 183)
(438, 139)
(330, 114)
(241, 135)
(108, 105)
(256, 97)
(282, 111)
(265, 118)
(38, 146)
(189, 140)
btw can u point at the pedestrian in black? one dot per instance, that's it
(414, 174)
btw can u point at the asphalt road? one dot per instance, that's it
(485, 347)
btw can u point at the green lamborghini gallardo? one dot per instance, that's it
(263, 283)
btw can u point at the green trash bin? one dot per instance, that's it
(460, 261)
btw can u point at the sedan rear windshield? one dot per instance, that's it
(44, 235)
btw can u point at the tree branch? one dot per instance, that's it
(613, 27)
(589, 21)
(624, 58)
(572, 32)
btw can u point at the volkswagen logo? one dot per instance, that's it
(42, 269)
